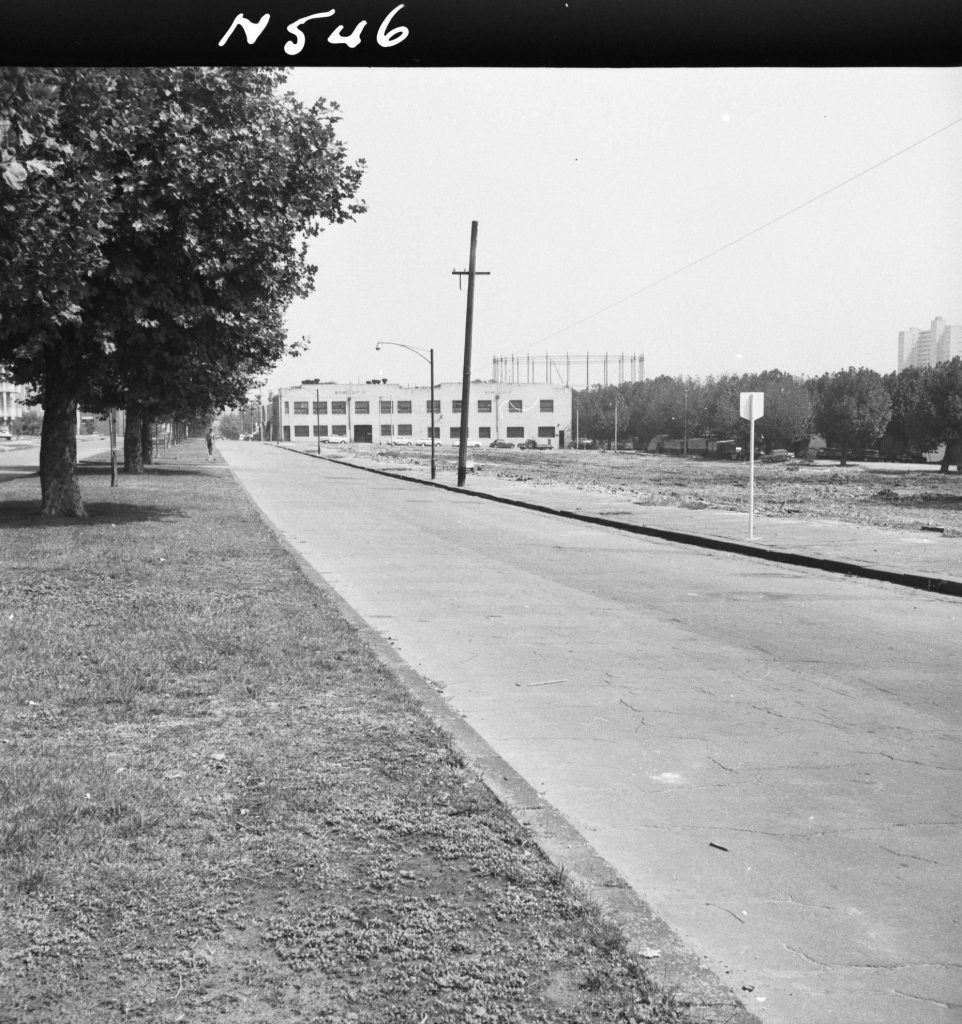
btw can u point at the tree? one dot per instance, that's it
(787, 422)
(655, 407)
(229, 425)
(852, 409)
(947, 401)
(198, 189)
(914, 424)
(598, 408)
(57, 207)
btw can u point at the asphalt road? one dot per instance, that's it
(21, 456)
(770, 756)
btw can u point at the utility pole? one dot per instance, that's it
(466, 375)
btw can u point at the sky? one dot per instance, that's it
(669, 213)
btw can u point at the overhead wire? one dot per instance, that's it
(748, 234)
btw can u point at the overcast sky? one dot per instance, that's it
(591, 185)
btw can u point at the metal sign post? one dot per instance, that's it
(113, 447)
(752, 408)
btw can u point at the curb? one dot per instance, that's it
(679, 969)
(915, 581)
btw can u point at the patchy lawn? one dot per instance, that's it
(865, 493)
(216, 804)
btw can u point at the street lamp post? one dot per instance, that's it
(429, 359)
(686, 421)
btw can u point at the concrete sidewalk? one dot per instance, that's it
(923, 559)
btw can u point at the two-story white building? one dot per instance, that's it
(381, 413)
(12, 400)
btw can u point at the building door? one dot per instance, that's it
(561, 439)
(287, 433)
(363, 433)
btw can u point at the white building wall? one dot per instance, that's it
(949, 344)
(12, 397)
(388, 413)
(938, 344)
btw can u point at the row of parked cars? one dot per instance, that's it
(870, 455)
(528, 443)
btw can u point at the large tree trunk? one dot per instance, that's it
(59, 486)
(147, 441)
(952, 456)
(133, 450)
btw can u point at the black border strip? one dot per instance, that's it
(486, 33)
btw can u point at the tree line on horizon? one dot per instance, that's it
(153, 232)
(854, 410)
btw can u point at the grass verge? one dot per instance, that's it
(217, 804)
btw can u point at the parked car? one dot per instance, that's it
(498, 443)
(530, 443)
(5, 434)
(778, 455)
(828, 453)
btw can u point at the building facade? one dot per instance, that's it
(12, 399)
(383, 413)
(940, 343)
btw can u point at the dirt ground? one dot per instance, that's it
(887, 495)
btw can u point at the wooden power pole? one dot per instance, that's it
(466, 375)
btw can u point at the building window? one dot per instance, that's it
(484, 431)
(320, 431)
(545, 431)
(404, 407)
(437, 433)
(338, 408)
(484, 405)
(515, 431)
(320, 408)
(287, 408)
(547, 405)
(386, 406)
(339, 430)
(515, 405)
(300, 408)
(385, 430)
(455, 432)
(404, 429)
(429, 403)
(362, 408)
(302, 431)
(456, 405)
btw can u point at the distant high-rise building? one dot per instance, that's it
(938, 344)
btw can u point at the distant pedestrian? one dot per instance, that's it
(210, 442)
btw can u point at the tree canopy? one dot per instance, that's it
(852, 409)
(154, 228)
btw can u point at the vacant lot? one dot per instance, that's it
(217, 804)
(874, 494)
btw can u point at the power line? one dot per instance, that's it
(748, 234)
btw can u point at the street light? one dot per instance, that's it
(429, 359)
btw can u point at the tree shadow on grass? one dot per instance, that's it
(88, 468)
(25, 514)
